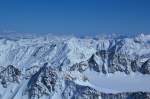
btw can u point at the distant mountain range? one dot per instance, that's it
(53, 67)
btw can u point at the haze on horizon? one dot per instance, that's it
(77, 17)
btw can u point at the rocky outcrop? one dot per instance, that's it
(42, 83)
(75, 91)
(72, 62)
(9, 74)
(126, 95)
(109, 62)
(82, 66)
(117, 57)
(145, 69)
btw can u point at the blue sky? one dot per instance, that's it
(78, 17)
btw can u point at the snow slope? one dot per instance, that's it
(74, 68)
(118, 82)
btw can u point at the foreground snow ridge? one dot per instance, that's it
(75, 68)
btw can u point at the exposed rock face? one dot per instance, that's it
(109, 62)
(74, 91)
(82, 66)
(132, 95)
(9, 74)
(70, 59)
(42, 82)
(117, 62)
(134, 66)
(145, 69)
(116, 57)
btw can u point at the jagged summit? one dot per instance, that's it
(75, 68)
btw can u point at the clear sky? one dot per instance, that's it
(79, 17)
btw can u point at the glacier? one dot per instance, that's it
(52, 67)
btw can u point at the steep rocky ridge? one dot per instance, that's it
(42, 68)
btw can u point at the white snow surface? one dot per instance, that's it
(36, 51)
(28, 52)
(118, 82)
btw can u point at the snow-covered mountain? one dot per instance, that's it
(75, 68)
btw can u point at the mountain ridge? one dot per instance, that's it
(66, 68)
